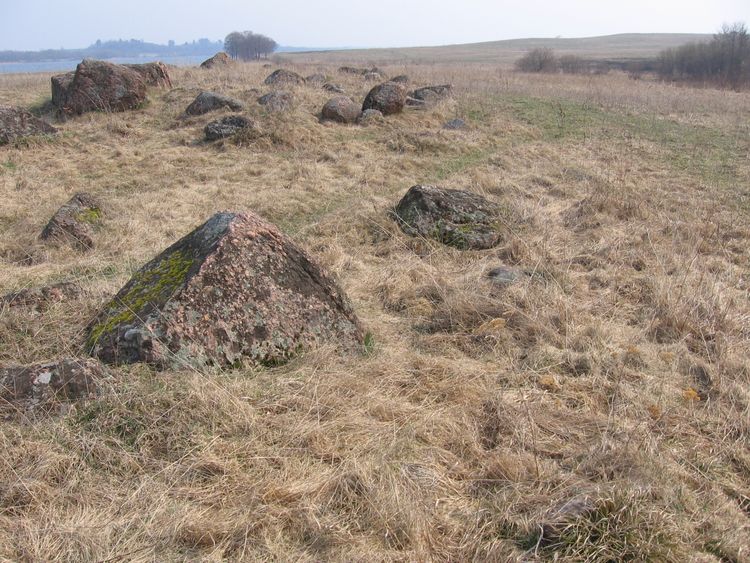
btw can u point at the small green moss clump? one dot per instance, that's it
(91, 216)
(148, 287)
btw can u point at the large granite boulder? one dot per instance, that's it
(153, 74)
(217, 61)
(387, 98)
(43, 388)
(234, 290)
(432, 94)
(17, 123)
(277, 101)
(101, 86)
(340, 109)
(284, 77)
(454, 217)
(211, 101)
(227, 126)
(73, 223)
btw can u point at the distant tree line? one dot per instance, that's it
(248, 46)
(544, 59)
(724, 61)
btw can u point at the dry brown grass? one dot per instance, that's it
(616, 371)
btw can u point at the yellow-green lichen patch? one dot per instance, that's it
(151, 286)
(91, 216)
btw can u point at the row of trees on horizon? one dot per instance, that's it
(249, 46)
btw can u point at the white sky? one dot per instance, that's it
(40, 24)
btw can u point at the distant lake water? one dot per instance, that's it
(61, 66)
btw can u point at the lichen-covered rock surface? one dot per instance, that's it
(217, 61)
(210, 101)
(73, 223)
(42, 388)
(387, 98)
(454, 217)
(234, 290)
(100, 86)
(433, 93)
(17, 123)
(277, 101)
(227, 126)
(340, 109)
(153, 74)
(60, 85)
(284, 77)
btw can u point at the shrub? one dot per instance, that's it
(541, 59)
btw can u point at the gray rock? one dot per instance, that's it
(277, 101)
(211, 101)
(415, 103)
(284, 77)
(316, 79)
(433, 93)
(335, 88)
(227, 126)
(340, 109)
(400, 79)
(455, 124)
(217, 61)
(153, 74)
(387, 98)
(17, 123)
(234, 290)
(369, 117)
(73, 223)
(454, 217)
(505, 275)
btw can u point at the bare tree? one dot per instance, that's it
(541, 59)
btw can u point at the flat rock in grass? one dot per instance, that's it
(235, 290)
(433, 93)
(335, 88)
(369, 117)
(101, 86)
(316, 79)
(277, 101)
(387, 98)
(457, 218)
(400, 79)
(455, 125)
(415, 103)
(73, 223)
(227, 126)
(340, 109)
(45, 388)
(154, 74)
(283, 77)
(211, 101)
(217, 61)
(505, 275)
(40, 298)
(17, 123)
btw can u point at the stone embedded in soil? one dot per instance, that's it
(73, 223)
(400, 79)
(44, 387)
(335, 88)
(370, 116)
(283, 77)
(100, 86)
(457, 218)
(340, 109)
(234, 290)
(17, 123)
(432, 93)
(388, 98)
(39, 298)
(211, 101)
(227, 126)
(505, 275)
(455, 125)
(277, 101)
(218, 60)
(316, 79)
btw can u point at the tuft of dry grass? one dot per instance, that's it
(612, 376)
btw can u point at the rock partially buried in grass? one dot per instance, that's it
(454, 217)
(234, 290)
(73, 223)
(433, 93)
(60, 85)
(284, 77)
(226, 127)
(17, 123)
(101, 86)
(39, 298)
(335, 88)
(218, 60)
(277, 101)
(370, 117)
(211, 101)
(455, 125)
(387, 98)
(400, 79)
(43, 388)
(316, 79)
(340, 109)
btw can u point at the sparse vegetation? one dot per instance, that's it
(613, 368)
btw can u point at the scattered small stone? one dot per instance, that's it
(505, 275)
(43, 388)
(370, 116)
(218, 60)
(340, 109)
(335, 88)
(73, 222)
(388, 98)
(277, 101)
(454, 217)
(455, 125)
(211, 101)
(39, 298)
(284, 77)
(235, 289)
(17, 123)
(227, 126)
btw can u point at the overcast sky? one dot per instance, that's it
(40, 24)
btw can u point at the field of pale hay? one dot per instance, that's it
(615, 374)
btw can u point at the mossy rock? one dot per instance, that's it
(74, 222)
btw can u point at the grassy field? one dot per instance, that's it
(606, 396)
(610, 47)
